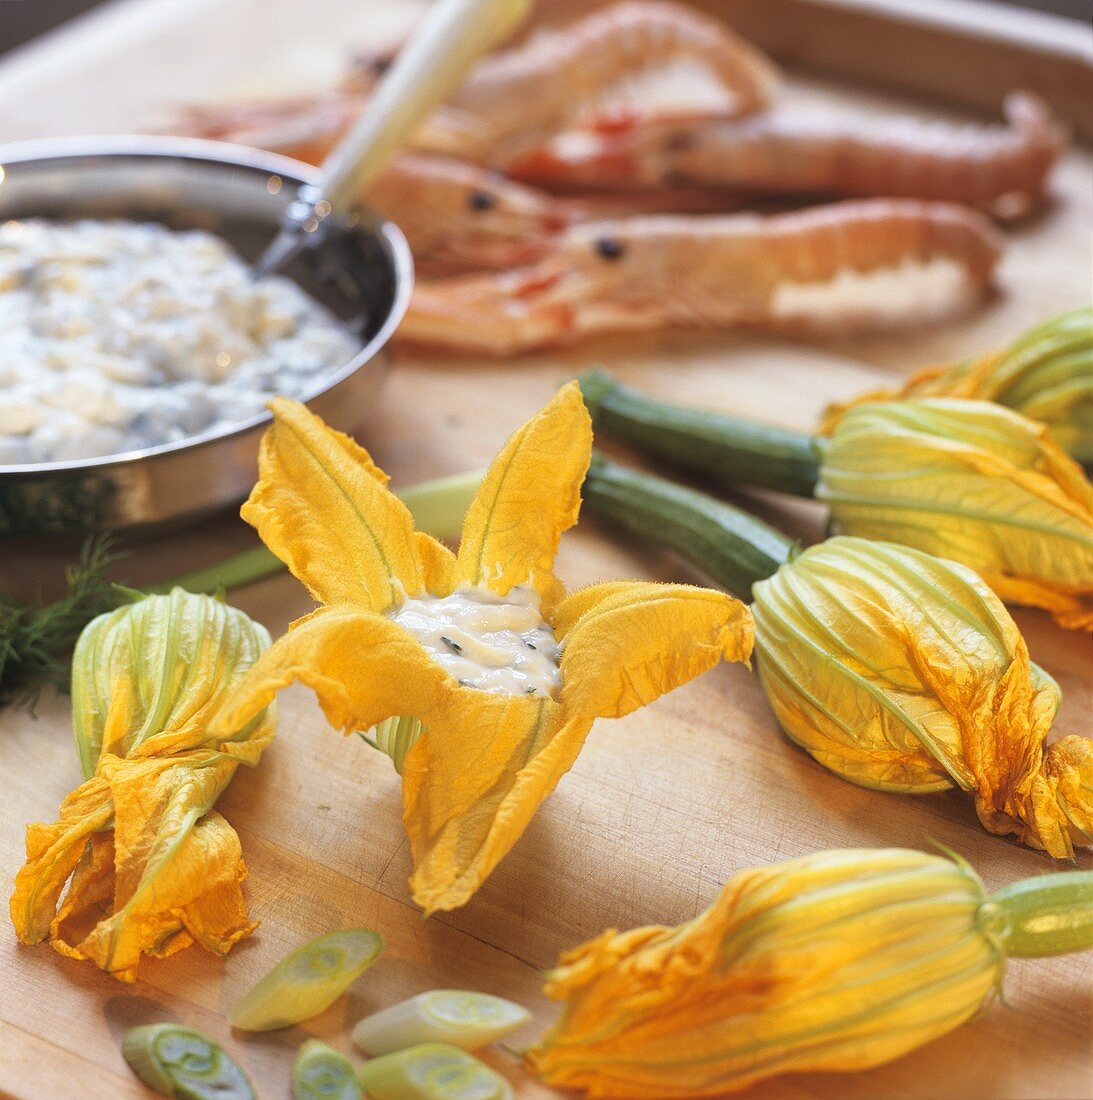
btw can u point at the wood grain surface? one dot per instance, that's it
(661, 808)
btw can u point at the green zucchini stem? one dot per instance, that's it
(733, 549)
(239, 569)
(1047, 915)
(730, 449)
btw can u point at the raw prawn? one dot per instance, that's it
(868, 264)
(458, 217)
(305, 127)
(586, 73)
(1001, 169)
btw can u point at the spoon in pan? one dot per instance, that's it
(361, 272)
(454, 34)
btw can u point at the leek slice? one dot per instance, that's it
(307, 981)
(322, 1073)
(184, 1064)
(432, 1071)
(463, 1019)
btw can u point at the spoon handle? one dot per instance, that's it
(454, 34)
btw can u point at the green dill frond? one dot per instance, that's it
(36, 640)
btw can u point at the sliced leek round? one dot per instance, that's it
(307, 981)
(182, 1063)
(322, 1073)
(463, 1019)
(432, 1071)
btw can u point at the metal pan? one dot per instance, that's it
(362, 273)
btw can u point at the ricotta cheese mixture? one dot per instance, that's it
(496, 643)
(118, 335)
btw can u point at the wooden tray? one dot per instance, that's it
(663, 806)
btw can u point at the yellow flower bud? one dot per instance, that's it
(971, 481)
(149, 866)
(838, 961)
(1046, 374)
(903, 672)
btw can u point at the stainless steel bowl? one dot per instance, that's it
(362, 273)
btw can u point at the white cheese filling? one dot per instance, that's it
(119, 335)
(498, 644)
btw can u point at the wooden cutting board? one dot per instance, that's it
(661, 808)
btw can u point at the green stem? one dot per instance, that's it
(240, 569)
(438, 508)
(730, 449)
(395, 736)
(1047, 915)
(732, 548)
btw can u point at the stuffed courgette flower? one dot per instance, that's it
(1046, 374)
(971, 481)
(482, 675)
(963, 704)
(839, 961)
(150, 866)
(895, 669)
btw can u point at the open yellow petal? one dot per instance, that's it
(438, 565)
(363, 668)
(628, 642)
(322, 506)
(473, 781)
(477, 773)
(530, 495)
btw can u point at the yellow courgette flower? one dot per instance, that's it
(485, 759)
(903, 672)
(839, 961)
(1046, 374)
(971, 481)
(150, 867)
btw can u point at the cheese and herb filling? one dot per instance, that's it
(116, 336)
(498, 644)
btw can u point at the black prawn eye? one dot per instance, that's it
(481, 200)
(610, 248)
